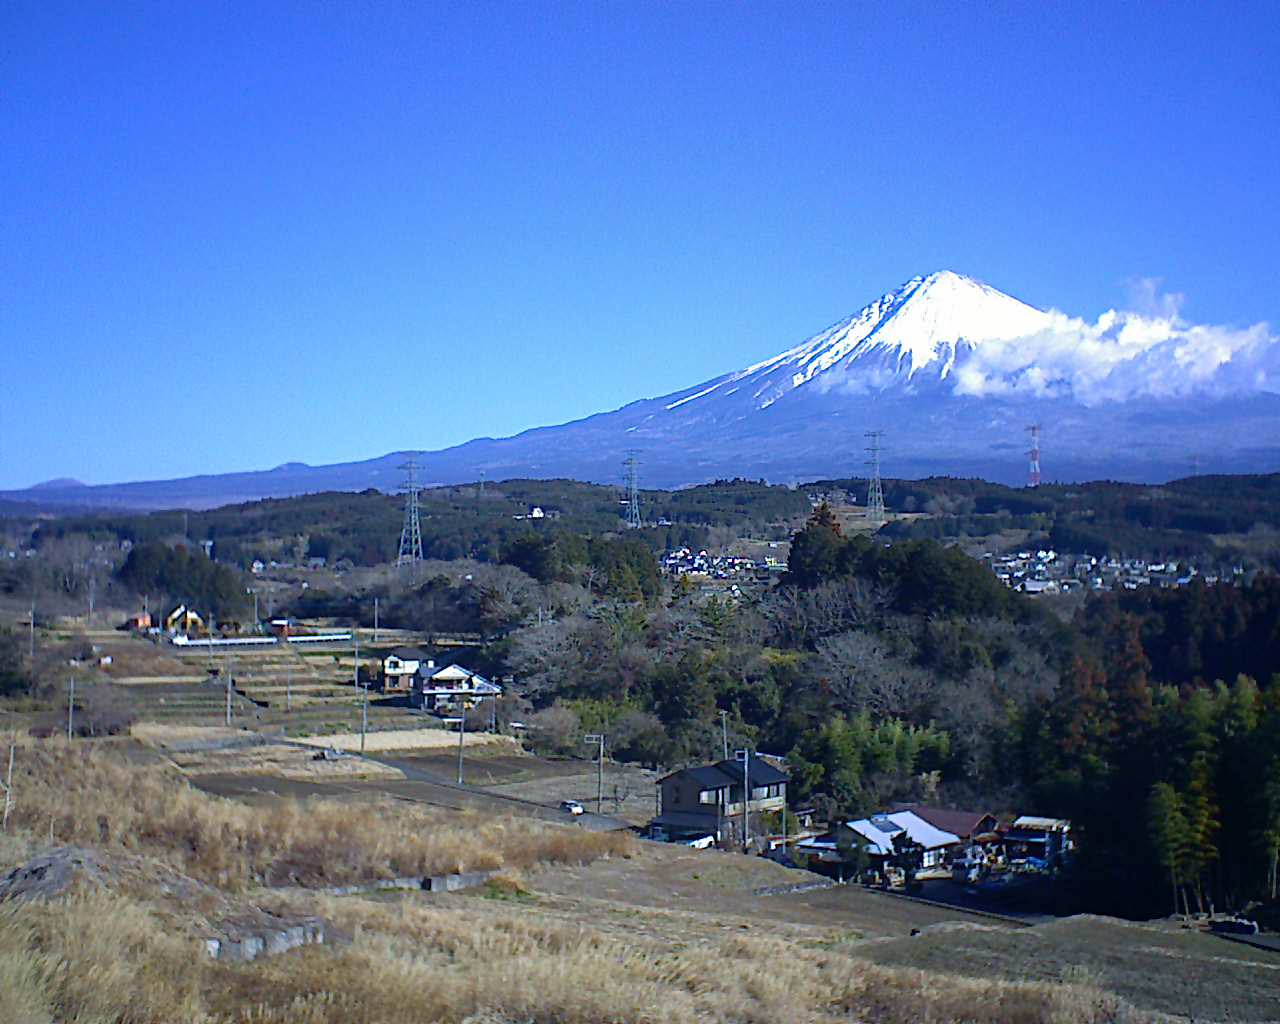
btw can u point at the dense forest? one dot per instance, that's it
(1152, 720)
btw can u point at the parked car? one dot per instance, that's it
(572, 807)
(701, 842)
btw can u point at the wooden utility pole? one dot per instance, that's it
(364, 719)
(8, 790)
(462, 730)
(71, 706)
(598, 737)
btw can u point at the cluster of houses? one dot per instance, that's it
(1046, 571)
(686, 562)
(408, 672)
(716, 804)
(963, 844)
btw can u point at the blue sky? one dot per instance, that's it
(236, 235)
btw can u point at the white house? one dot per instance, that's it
(450, 688)
(878, 832)
(401, 666)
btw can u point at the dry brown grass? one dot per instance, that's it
(410, 963)
(107, 958)
(280, 761)
(132, 955)
(95, 958)
(93, 795)
(409, 739)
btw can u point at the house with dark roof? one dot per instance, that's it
(707, 800)
(400, 667)
(966, 825)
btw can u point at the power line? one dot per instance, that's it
(1033, 465)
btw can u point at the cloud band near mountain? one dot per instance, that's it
(1121, 356)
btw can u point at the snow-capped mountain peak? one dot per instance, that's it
(950, 333)
(924, 323)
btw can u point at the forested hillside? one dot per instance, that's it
(457, 522)
(1223, 517)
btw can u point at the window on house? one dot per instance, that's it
(707, 796)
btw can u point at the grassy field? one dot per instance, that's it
(580, 928)
(1160, 967)
(628, 789)
(97, 794)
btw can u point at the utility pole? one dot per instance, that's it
(724, 733)
(33, 635)
(71, 706)
(462, 731)
(92, 582)
(288, 689)
(228, 681)
(8, 790)
(375, 620)
(598, 737)
(745, 756)
(364, 719)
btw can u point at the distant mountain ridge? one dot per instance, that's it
(951, 369)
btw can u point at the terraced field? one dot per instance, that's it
(298, 691)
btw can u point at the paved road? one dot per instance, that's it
(418, 786)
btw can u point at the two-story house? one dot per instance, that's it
(452, 688)
(400, 667)
(707, 800)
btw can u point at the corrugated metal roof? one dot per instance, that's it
(880, 829)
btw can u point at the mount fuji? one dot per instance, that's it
(952, 370)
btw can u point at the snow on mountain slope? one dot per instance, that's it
(951, 368)
(947, 329)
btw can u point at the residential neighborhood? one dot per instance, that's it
(687, 562)
(1046, 571)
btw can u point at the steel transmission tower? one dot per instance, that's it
(411, 533)
(632, 500)
(875, 492)
(1033, 469)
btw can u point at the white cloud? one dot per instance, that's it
(1146, 297)
(1124, 355)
